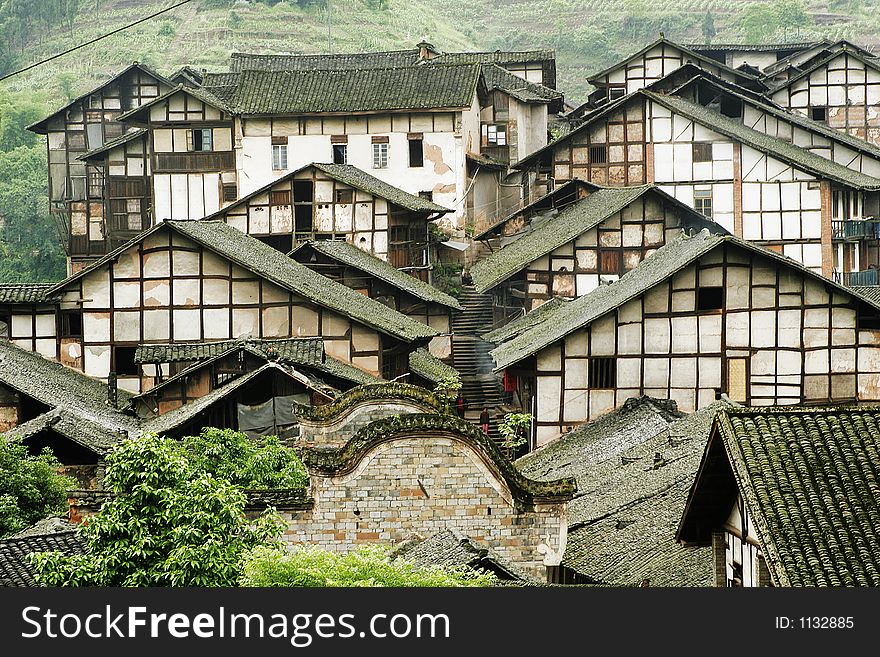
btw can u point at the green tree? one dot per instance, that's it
(309, 565)
(169, 523)
(245, 463)
(759, 22)
(791, 15)
(30, 489)
(709, 31)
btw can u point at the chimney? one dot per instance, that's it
(426, 50)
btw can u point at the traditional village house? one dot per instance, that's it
(788, 497)
(759, 187)
(634, 467)
(654, 62)
(702, 316)
(78, 191)
(590, 241)
(193, 281)
(840, 87)
(757, 56)
(339, 202)
(377, 279)
(799, 61)
(28, 316)
(53, 534)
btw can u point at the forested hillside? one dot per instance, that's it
(586, 34)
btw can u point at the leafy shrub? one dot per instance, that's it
(29, 488)
(369, 565)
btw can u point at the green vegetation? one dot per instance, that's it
(365, 566)
(588, 35)
(29, 488)
(174, 520)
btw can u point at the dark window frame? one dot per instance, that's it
(416, 153)
(602, 372)
(710, 298)
(702, 151)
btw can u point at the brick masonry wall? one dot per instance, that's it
(424, 485)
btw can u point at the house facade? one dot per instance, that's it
(78, 190)
(703, 316)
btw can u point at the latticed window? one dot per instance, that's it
(494, 134)
(703, 202)
(279, 157)
(380, 156)
(602, 373)
(598, 154)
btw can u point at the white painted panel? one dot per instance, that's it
(179, 197)
(196, 196)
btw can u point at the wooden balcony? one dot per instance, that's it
(195, 161)
(852, 230)
(866, 278)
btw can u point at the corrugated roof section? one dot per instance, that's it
(350, 255)
(810, 481)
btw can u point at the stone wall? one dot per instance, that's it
(425, 484)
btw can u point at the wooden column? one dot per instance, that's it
(827, 247)
(737, 190)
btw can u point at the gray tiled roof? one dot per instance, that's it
(666, 261)
(452, 549)
(498, 77)
(78, 403)
(809, 478)
(354, 90)
(350, 255)
(572, 221)
(130, 135)
(201, 93)
(26, 293)
(423, 363)
(58, 536)
(295, 350)
(623, 519)
(801, 158)
(349, 175)
(395, 58)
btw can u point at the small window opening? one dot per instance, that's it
(710, 298)
(602, 373)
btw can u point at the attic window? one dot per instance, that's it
(819, 114)
(702, 152)
(71, 324)
(602, 373)
(280, 197)
(598, 154)
(710, 298)
(616, 92)
(344, 196)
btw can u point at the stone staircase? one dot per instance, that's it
(479, 386)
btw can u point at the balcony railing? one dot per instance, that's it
(855, 229)
(858, 278)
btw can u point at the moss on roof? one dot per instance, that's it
(525, 491)
(423, 363)
(352, 256)
(811, 480)
(522, 324)
(272, 265)
(354, 177)
(388, 391)
(655, 269)
(15, 570)
(78, 407)
(498, 77)
(622, 522)
(572, 221)
(353, 90)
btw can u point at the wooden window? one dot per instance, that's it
(279, 157)
(429, 196)
(702, 152)
(710, 298)
(199, 139)
(340, 153)
(123, 361)
(133, 214)
(71, 324)
(494, 134)
(598, 154)
(737, 379)
(280, 197)
(230, 192)
(819, 114)
(96, 182)
(616, 92)
(602, 373)
(416, 152)
(380, 156)
(344, 195)
(703, 202)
